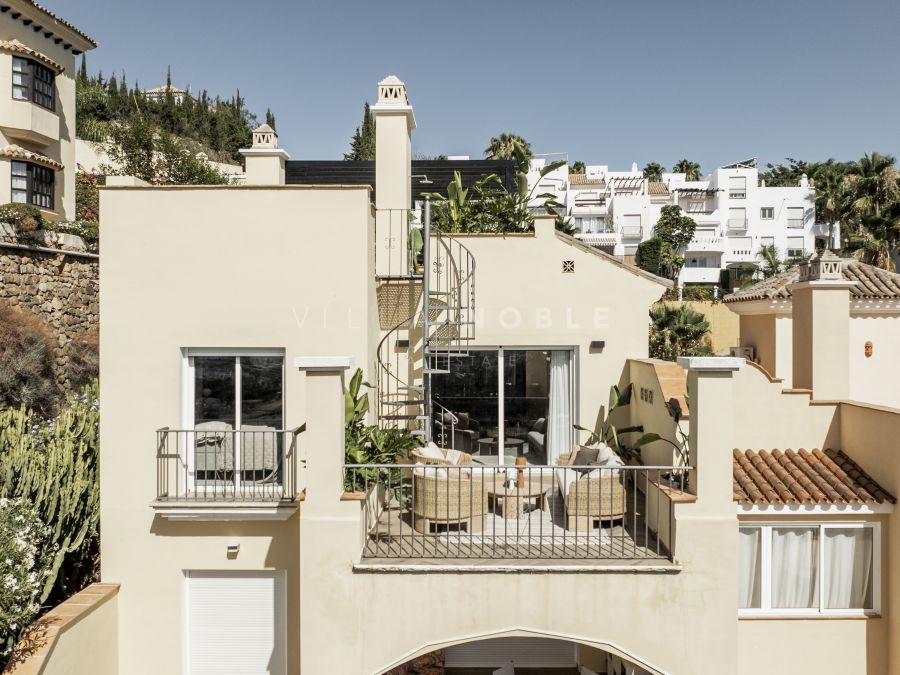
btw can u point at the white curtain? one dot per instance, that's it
(749, 567)
(559, 422)
(848, 568)
(795, 567)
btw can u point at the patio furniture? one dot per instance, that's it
(489, 446)
(448, 496)
(511, 500)
(590, 498)
(463, 432)
(439, 456)
(536, 436)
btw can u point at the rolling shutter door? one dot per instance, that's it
(523, 652)
(235, 623)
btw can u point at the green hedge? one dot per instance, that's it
(648, 255)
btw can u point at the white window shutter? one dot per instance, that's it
(235, 623)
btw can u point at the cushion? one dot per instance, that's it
(453, 456)
(585, 455)
(564, 479)
(463, 422)
(431, 451)
(540, 425)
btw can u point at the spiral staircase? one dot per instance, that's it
(426, 299)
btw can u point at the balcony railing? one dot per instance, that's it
(795, 223)
(515, 512)
(224, 465)
(631, 231)
(737, 223)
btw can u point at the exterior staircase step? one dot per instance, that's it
(403, 417)
(414, 401)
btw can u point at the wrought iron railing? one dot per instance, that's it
(213, 465)
(475, 511)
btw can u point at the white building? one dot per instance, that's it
(736, 214)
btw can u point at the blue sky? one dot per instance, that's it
(608, 82)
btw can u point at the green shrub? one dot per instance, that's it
(23, 217)
(26, 556)
(83, 365)
(88, 230)
(87, 196)
(53, 464)
(26, 362)
(649, 255)
(678, 331)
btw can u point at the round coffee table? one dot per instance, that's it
(511, 500)
(489, 446)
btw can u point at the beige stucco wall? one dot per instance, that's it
(724, 326)
(872, 379)
(223, 267)
(20, 120)
(668, 622)
(523, 299)
(869, 435)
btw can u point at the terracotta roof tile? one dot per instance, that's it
(873, 283)
(802, 477)
(17, 47)
(18, 152)
(584, 179)
(655, 188)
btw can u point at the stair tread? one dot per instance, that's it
(403, 417)
(414, 401)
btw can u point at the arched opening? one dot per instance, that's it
(522, 654)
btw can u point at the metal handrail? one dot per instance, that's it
(474, 511)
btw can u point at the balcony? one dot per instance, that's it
(711, 243)
(473, 512)
(737, 224)
(699, 275)
(737, 194)
(29, 122)
(632, 232)
(795, 223)
(206, 467)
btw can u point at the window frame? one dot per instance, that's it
(766, 209)
(33, 183)
(765, 576)
(35, 73)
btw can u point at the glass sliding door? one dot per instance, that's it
(509, 403)
(234, 412)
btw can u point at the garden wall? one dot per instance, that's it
(61, 287)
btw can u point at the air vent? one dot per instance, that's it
(568, 266)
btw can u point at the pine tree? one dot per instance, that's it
(270, 118)
(362, 145)
(82, 74)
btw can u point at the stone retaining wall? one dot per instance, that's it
(62, 287)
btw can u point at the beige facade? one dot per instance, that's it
(300, 273)
(36, 46)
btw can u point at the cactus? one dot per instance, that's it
(53, 464)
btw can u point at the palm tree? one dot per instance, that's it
(772, 263)
(653, 171)
(577, 167)
(876, 240)
(504, 147)
(678, 331)
(691, 170)
(831, 199)
(874, 185)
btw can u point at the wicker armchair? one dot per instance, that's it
(591, 499)
(455, 498)
(418, 458)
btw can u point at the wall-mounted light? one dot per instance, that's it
(233, 548)
(598, 344)
(402, 344)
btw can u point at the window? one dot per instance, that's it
(737, 219)
(767, 213)
(809, 568)
(631, 225)
(737, 187)
(227, 393)
(33, 81)
(32, 184)
(795, 247)
(766, 241)
(795, 216)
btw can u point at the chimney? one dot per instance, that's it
(394, 121)
(264, 160)
(821, 328)
(804, 180)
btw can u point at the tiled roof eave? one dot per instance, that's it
(16, 47)
(18, 152)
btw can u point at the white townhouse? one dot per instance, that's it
(735, 212)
